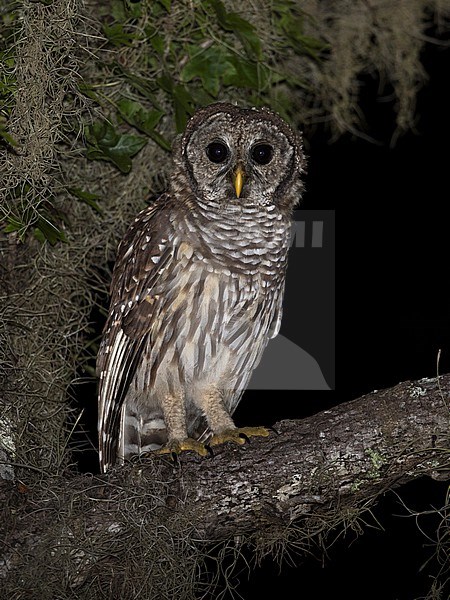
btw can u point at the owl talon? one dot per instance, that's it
(249, 432)
(238, 436)
(175, 447)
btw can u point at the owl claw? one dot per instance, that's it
(175, 447)
(239, 435)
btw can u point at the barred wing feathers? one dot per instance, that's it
(142, 256)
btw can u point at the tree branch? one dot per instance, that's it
(308, 469)
(350, 453)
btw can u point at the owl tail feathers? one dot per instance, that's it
(138, 436)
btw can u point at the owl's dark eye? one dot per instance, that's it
(262, 153)
(216, 152)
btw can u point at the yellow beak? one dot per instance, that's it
(238, 181)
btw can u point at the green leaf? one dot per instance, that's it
(220, 10)
(184, 103)
(144, 120)
(309, 45)
(160, 140)
(6, 136)
(42, 222)
(184, 106)
(117, 9)
(291, 21)
(245, 31)
(211, 66)
(46, 230)
(88, 91)
(104, 143)
(200, 96)
(117, 35)
(165, 83)
(156, 10)
(133, 8)
(13, 225)
(135, 114)
(247, 74)
(156, 40)
(166, 4)
(87, 198)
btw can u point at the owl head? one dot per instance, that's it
(247, 156)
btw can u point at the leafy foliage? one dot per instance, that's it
(105, 143)
(160, 62)
(188, 62)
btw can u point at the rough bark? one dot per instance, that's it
(308, 469)
(347, 454)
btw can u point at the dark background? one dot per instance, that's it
(309, 300)
(393, 315)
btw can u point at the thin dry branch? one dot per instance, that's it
(310, 473)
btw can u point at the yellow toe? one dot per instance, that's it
(238, 436)
(178, 446)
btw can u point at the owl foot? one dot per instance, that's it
(238, 436)
(175, 447)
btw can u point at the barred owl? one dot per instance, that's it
(198, 285)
